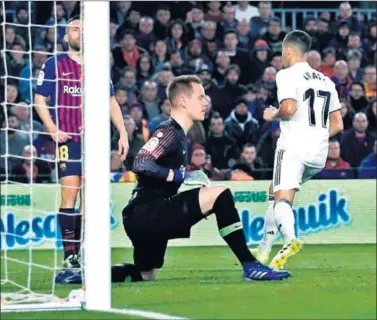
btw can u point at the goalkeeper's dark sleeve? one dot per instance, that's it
(162, 142)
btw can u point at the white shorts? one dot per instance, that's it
(290, 172)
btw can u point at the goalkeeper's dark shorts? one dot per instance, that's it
(151, 224)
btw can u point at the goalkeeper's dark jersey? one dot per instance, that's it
(166, 149)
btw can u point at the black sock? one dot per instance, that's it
(67, 222)
(230, 226)
(125, 272)
(78, 239)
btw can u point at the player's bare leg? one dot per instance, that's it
(67, 217)
(219, 200)
(286, 225)
(262, 252)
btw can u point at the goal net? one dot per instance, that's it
(31, 244)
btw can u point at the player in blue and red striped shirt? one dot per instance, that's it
(59, 86)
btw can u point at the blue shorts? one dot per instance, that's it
(70, 163)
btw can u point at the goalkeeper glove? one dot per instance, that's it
(197, 178)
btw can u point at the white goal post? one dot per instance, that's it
(96, 290)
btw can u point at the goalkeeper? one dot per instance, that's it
(156, 213)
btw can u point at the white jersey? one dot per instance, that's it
(306, 133)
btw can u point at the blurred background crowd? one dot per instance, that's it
(234, 47)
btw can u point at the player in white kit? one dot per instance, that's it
(309, 114)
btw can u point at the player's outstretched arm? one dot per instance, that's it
(336, 123)
(161, 142)
(117, 119)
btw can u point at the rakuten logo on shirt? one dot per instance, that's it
(74, 91)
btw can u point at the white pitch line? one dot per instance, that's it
(145, 314)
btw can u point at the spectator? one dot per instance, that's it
(116, 163)
(208, 115)
(144, 69)
(336, 167)
(339, 43)
(245, 41)
(47, 39)
(274, 35)
(311, 27)
(357, 143)
(201, 161)
(328, 62)
(214, 13)
(164, 78)
(145, 36)
(277, 61)
(267, 144)
(347, 113)
(245, 11)
(222, 149)
(250, 163)
(354, 43)
(370, 82)
(165, 109)
(195, 55)
(196, 20)
(135, 141)
(121, 97)
(341, 78)
(142, 127)
(162, 21)
(128, 53)
(230, 90)
(314, 60)
(22, 19)
(177, 37)
(237, 56)
(69, 7)
(356, 98)
(16, 143)
(345, 16)
(16, 60)
(371, 113)
(160, 56)
(211, 89)
(369, 43)
(260, 60)
(58, 12)
(177, 63)
(31, 170)
(12, 93)
(368, 166)
(30, 127)
(255, 104)
(129, 83)
(118, 11)
(149, 99)
(354, 61)
(222, 63)
(269, 82)
(229, 21)
(39, 57)
(324, 36)
(240, 125)
(11, 37)
(131, 22)
(208, 38)
(259, 25)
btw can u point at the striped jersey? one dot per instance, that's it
(60, 79)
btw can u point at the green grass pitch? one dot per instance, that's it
(329, 282)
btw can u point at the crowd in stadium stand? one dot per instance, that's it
(235, 49)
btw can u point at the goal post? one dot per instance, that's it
(97, 159)
(19, 290)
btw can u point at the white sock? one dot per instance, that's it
(285, 221)
(270, 229)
